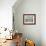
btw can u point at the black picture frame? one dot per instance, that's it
(29, 19)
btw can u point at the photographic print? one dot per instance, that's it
(29, 19)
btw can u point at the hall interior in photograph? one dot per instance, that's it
(22, 23)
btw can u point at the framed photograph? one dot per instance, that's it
(29, 19)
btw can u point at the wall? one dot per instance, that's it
(43, 22)
(29, 31)
(6, 13)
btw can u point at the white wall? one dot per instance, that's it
(6, 13)
(30, 31)
(43, 22)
